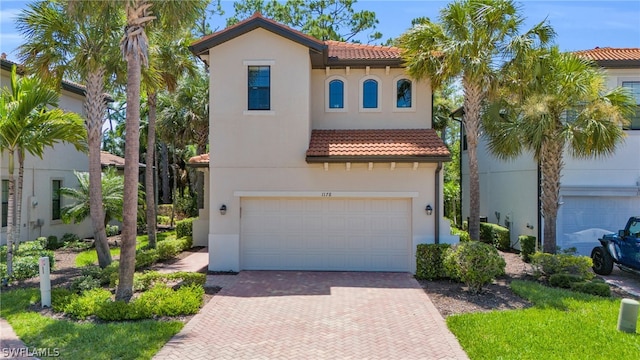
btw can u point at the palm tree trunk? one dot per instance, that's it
(10, 213)
(95, 107)
(149, 173)
(471, 120)
(551, 165)
(19, 185)
(164, 173)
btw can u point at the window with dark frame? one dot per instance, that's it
(403, 93)
(5, 202)
(370, 94)
(336, 94)
(259, 88)
(55, 199)
(634, 87)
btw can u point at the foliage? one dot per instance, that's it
(145, 280)
(533, 333)
(26, 260)
(474, 263)
(429, 261)
(146, 257)
(168, 249)
(592, 287)
(184, 227)
(112, 230)
(165, 210)
(496, 235)
(527, 246)
(464, 235)
(548, 264)
(80, 307)
(84, 283)
(81, 339)
(564, 280)
(322, 19)
(89, 257)
(70, 237)
(53, 243)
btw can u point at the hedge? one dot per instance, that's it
(429, 261)
(549, 264)
(184, 227)
(496, 235)
(527, 246)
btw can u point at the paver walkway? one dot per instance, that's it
(315, 315)
(11, 347)
(195, 262)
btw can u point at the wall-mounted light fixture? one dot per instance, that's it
(429, 210)
(529, 226)
(223, 209)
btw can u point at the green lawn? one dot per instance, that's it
(561, 325)
(122, 340)
(89, 257)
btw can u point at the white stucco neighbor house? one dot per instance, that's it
(41, 203)
(597, 195)
(322, 155)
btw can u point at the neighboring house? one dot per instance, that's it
(41, 203)
(322, 154)
(597, 195)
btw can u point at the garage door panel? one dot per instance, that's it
(325, 234)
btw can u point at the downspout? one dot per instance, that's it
(539, 212)
(437, 204)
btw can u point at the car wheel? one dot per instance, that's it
(602, 261)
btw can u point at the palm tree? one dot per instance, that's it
(112, 189)
(134, 46)
(28, 124)
(77, 39)
(470, 37)
(559, 103)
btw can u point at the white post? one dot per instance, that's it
(628, 316)
(45, 282)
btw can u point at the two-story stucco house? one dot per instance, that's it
(322, 155)
(41, 203)
(597, 195)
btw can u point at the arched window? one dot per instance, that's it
(336, 94)
(370, 94)
(403, 93)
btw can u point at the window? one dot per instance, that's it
(259, 88)
(336, 94)
(5, 201)
(403, 93)
(370, 94)
(634, 87)
(55, 199)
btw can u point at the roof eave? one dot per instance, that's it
(377, 159)
(618, 63)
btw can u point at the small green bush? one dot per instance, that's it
(165, 210)
(186, 242)
(60, 298)
(43, 241)
(184, 227)
(495, 235)
(168, 248)
(120, 310)
(593, 288)
(146, 257)
(474, 263)
(53, 243)
(564, 280)
(146, 280)
(26, 260)
(69, 237)
(164, 220)
(527, 246)
(112, 230)
(464, 235)
(549, 264)
(429, 261)
(84, 283)
(86, 305)
(163, 301)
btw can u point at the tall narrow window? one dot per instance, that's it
(370, 94)
(259, 88)
(55, 199)
(403, 93)
(5, 201)
(336, 94)
(634, 87)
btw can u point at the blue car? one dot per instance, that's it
(622, 248)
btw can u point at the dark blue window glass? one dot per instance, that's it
(336, 94)
(403, 92)
(370, 94)
(259, 88)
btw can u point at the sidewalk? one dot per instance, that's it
(196, 262)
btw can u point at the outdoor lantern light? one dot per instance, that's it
(429, 210)
(223, 209)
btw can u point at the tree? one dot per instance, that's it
(78, 40)
(322, 19)
(112, 189)
(134, 46)
(470, 37)
(29, 124)
(552, 102)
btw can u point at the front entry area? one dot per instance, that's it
(329, 234)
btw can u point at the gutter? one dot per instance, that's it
(437, 204)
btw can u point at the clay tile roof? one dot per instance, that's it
(199, 160)
(350, 51)
(377, 144)
(608, 56)
(108, 159)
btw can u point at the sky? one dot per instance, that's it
(579, 25)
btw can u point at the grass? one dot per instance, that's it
(561, 325)
(123, 340)
(89, 257)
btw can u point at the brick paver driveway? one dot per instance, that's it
(315, 315)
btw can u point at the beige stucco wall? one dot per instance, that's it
(57, 163)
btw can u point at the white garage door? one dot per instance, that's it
(325, 234)
(584, 219)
